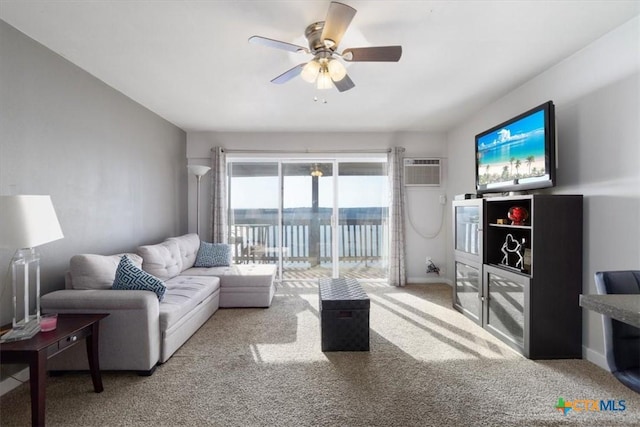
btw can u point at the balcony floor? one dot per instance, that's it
(363, 271)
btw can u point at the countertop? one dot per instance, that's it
(625, 308)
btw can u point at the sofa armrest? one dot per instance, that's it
(129, 336)
(99, 299)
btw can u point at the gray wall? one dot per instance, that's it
(115, 171)
(597, 97)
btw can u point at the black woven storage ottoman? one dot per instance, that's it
(344, 315)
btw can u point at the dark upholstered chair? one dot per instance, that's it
(621, 341)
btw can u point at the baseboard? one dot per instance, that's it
(595, 358)
(428, 280)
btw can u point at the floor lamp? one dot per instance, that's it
(27, 222)
(199, 172)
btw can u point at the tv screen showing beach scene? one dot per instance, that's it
(515, 154)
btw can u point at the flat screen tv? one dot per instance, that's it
(519, 154)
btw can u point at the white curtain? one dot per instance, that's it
(397, 271)
(219, 228)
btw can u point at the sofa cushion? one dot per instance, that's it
(239, 275)
(132, 278)
(188, 245)
(213, 255)
(90, 271)
(183, 294)
(162, 260)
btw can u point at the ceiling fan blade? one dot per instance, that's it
(277, 44)
(345, 84)
(337, 21)
(289, 74)
(379, 53)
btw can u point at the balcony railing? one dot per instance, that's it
(309, 241)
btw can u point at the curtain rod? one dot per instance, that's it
(386, 150)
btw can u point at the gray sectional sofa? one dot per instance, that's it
(142, 331)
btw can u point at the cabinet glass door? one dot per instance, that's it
(505, 312)
(467, 221)
(467, 294)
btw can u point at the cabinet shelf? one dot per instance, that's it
(511, 269)
(521, 227)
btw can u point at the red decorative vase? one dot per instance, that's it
(518, 215)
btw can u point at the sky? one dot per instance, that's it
(262, 192)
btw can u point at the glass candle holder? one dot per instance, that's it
(48, 322)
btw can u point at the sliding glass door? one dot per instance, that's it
(307, 210)
(254, 214)
(312, 217)
(362, 229)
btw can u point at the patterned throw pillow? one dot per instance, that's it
(130, 277)
(213, 255)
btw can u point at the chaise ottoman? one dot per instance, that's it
(242, 285)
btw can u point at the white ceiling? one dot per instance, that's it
(190, 62)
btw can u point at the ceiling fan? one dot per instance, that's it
(324, 37)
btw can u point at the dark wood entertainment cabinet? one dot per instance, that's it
(528, 298)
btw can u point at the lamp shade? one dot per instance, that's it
(310, 71)
(198, 170)
(28, 221)
(336, 70)
(324, 80)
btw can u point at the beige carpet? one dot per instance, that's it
(428, 366)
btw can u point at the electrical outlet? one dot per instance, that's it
(443, 199)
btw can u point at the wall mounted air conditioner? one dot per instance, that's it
(422, 172)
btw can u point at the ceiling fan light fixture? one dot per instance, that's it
(336, 70)
(324, 37)
(324, 80)
(316, 171)
(310, 71)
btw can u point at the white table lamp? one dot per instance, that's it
(199, 171)
(26, 222)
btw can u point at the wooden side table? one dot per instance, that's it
(70, 330)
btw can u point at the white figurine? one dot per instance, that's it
(511, 245)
